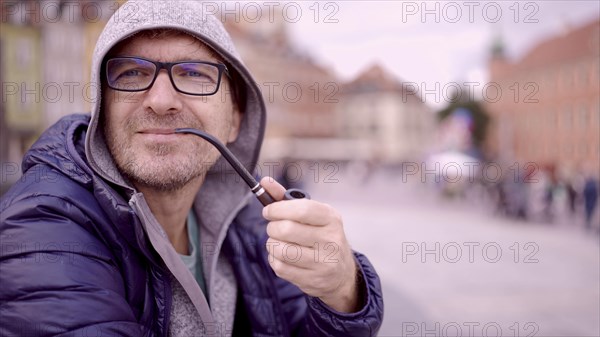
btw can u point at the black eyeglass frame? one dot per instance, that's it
(168, 66)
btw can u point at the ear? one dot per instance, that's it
(236, 122)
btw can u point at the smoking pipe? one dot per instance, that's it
(263, 196)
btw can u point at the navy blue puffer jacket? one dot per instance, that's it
(75, 260)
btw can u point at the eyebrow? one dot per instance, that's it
(177, 59)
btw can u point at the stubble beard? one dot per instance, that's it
(164, 167)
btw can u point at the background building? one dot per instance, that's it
(46, 49)
(549, 110)
(315, 116)
(299, 93)
(382, 120)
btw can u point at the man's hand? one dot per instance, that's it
(307, 247)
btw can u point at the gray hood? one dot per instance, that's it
(193, 18)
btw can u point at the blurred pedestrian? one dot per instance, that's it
(590, 197)
(515, 196)
(571, 195)
(549, 190)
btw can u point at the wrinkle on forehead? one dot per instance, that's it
(183, 47)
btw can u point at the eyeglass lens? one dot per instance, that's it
(132, 74)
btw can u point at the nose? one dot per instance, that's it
(162, 98)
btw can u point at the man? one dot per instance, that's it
(121, 227)
(590, 199)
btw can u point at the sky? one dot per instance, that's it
(427, 42)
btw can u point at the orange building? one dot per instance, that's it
(300, 94)
(549, 109)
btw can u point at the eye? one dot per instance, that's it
(131, 72)
(192, 73)
(135, 72)
(196, 72)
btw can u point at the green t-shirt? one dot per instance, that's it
(194, 260)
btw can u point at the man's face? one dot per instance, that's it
(136, 124)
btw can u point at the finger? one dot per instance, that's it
(293, 254)
(287, 271)
(320, 257)
(312, 278)
(294, 232)
(305, 211)
(275, 189)
(308, 281)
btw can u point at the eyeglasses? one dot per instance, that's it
(131, 74)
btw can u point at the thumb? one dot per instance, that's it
(273, 187)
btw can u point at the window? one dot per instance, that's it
(567, 77)
(568, 149)
(549, 81)
(583, 148)
(550, 120)
(532, 146)
(593, 72)
(584, 116)
(568, 117)
(584, 75)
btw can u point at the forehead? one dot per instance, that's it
(165, 47)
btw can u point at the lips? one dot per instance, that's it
(158, 131)
(159, 135)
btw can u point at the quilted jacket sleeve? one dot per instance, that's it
(57, 279)
(325, 321)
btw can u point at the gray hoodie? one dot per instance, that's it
(190, 308)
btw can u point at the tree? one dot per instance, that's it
(461, 102)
